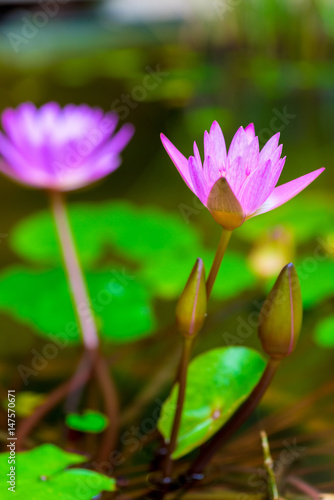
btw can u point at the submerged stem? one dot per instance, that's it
(111, 402)
(220, 252)
(182, 381)
(81, 376)
(74, 272)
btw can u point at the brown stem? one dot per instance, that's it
(304, 487)
(110, 398)
(208, 450)
(81, 376)
(222, 245)
(182, 383)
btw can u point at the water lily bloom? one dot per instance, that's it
(239, 183)
(60, 149)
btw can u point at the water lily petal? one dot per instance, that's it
(255, 188)
(218, 147)
(250, 132)
(178, 159)
(285, 192)
(251, 156)
(236, 175)
(238, 144)
(269, 148)
(200, 187)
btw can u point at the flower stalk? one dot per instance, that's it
(220, 252)
(74, 272)
(182, 382)
(190, 316)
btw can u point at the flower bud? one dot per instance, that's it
(281, 315)
(224, 206)
(191, 307)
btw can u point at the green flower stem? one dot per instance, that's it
(182, 381)
(208, 450)
(221, 249)
(74, 272)
(269, 465)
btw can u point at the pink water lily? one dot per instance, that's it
(60, 149)
(239, 183)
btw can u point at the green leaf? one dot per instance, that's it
(218, 383)
(88, 421)
(234, 276)
(324, 332)
(136, 233)
(166, 277)
(161, 246)
(41, 299)
(40, 474)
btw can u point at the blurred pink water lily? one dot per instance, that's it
(239, 183)
(60, 148)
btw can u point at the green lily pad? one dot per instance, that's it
(40, 474)
(161, 246)
(88, 421)
(133, 232)
(324, 332)
(219, 381)
(41, 299)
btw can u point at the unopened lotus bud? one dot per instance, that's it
(224, 206)
(281, 315)
(192, 305)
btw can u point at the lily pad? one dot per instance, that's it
(41, 299)
(158, 244)
(324, 332)
(88, 421)
(133, 232)
(40, 474)
(219, 381)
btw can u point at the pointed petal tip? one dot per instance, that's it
(215, 125)
(250, 127)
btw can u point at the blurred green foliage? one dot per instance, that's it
(120, 304)
(324, 333)
(87, 421)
